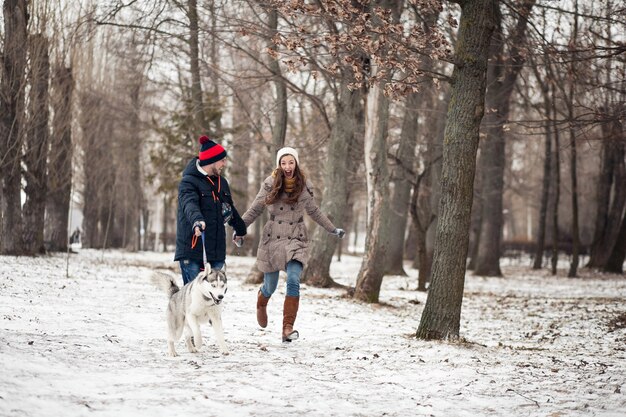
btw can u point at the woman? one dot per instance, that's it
(284, 243)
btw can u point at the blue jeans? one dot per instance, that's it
(190, 268)
(270, 280)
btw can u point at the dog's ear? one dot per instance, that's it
(222, 269)
(204, 275)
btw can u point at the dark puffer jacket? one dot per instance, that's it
(196, 203)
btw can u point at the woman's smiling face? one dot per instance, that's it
(288, 165)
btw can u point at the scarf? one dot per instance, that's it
(290, 184)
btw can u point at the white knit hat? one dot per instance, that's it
(286, 151)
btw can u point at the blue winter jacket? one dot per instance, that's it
(199, 200)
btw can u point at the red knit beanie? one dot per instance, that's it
(210, 152)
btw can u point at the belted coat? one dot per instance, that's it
(284, 236)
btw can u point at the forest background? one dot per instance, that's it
(448, 133)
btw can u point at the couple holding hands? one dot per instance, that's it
(205, 205)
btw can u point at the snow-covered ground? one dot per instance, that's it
(94, 344)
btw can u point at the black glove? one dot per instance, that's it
(239, 225)
(200, 225)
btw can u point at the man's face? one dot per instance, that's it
(216, 167)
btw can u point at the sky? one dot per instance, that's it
(85, 335)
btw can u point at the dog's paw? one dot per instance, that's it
(170, 349)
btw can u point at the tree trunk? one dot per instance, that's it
(425, 263)
(477, 216)
(429, 204)
(557, 186)
(492, 159)
(214, 74)
(167, 206)
(255, 276)
(603, 198)
(11, 121)
(502, 75)
(336, 193)
(612, 177)
(573, 269)
(401, 190)
(370, 276)
(37, 146)
(132, 158)
(372, 270)
(547, 174)
(615, 263)
(238, 172)
(96, 150)
(442, 313)
(419, 209)
(60, 164)
(200, 124)
(279, 129)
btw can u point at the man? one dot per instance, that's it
(205, 205)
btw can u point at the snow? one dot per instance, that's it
(94, 343)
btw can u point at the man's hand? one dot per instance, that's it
(198, 227)
(238, 240)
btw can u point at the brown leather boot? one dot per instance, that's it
(290, 311)
(261, 309)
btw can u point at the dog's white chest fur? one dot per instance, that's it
(196, 303)
(204, 312)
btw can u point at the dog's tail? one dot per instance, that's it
(166, 282)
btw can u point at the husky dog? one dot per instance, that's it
(195, 303)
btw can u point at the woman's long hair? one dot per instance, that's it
(279, 186)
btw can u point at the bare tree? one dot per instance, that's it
(11, 119)
(194, 62)
(442, 313)
(401, 200)
(547, 172)
(569, 102)
(372, 270)
(37, 146)
(615, 263)
(556, 186)
(60, 164)
(503, 71)
(422, 217)
(336, 194)
(401, 187)
(279, 128)
(98, 201)
(611, 192)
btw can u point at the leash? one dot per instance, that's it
(204, 260)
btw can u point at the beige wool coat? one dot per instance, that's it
(284, 237)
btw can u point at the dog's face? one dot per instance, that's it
(213, 283)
